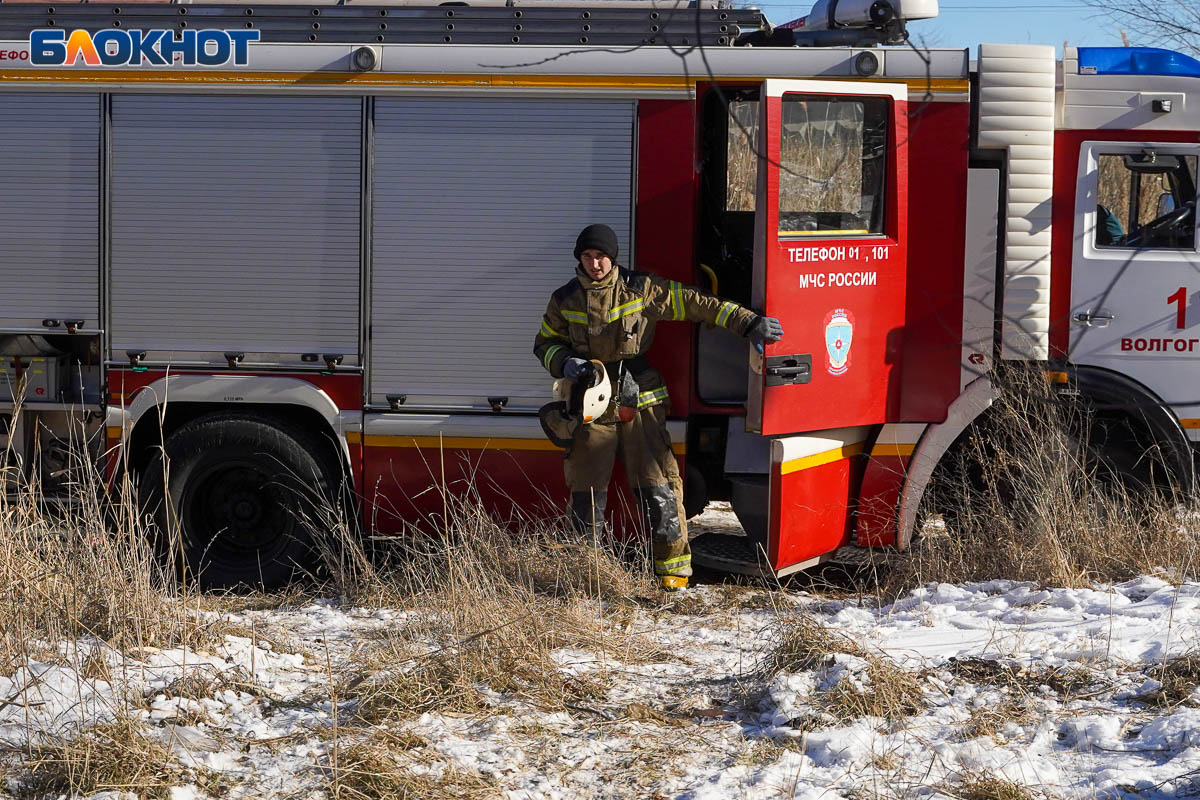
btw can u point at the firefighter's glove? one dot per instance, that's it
(579, 370)
(764, 330)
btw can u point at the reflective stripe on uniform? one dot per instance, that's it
(624, 310)
(725, 313)
(651, 397)
(672, 566)
(548, 331)
(578, 317)
(549, 356)
(676, 300)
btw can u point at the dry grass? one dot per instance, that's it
(70, 577)
(205, 680)
(986, 786)
(480, 634)
(114, 756)
(764, 752)
(1180, 677)
(465, 543)
(1066, 682)
(491, 604)
(383, 769)
(1034, 492)
(991, 720)
(889, 692)
(85, 568)
(494, 604)
(881, 689)
(802, 643)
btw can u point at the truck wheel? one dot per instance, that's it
(989, 471)
(242, 491)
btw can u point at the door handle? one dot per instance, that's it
(787, 370)
(1097, 319)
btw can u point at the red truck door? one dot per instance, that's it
(830, 254)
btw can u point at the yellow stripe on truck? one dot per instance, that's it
(901, 450)
(821, 459)
(464, 442)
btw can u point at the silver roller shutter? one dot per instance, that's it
(477, 203)
(49, 193)
(236, 226)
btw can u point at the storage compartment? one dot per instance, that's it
(236, 229)
(49, 231)
(477, 203)
(32, 378)
(56, 369)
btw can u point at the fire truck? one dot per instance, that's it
(285, 247)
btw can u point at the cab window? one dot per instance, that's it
(833, 159)
(1146, 200)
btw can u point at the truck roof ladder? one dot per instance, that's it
(619, 23)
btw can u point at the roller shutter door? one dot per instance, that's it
(236, 226)
(477, 203)
(49, 193)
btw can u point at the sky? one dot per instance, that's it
(967, 23)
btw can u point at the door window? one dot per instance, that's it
(1146, 200)
(833, 158)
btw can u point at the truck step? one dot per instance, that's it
(728, 552)
(741, 555)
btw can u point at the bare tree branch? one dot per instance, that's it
(1168, 23)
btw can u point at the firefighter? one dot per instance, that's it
(608, 313)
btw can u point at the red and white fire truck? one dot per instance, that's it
(333, 257)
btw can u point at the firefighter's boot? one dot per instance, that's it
(587, 513)
(672, 583)
(668, 536)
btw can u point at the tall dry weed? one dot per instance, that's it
(495, 603)
(80, 564)
(465, 546)
(1049, 490)
(116, 756)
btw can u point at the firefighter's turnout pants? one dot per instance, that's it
(645, 449)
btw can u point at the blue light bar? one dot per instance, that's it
(1136, 61)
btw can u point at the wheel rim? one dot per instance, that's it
(237, 514)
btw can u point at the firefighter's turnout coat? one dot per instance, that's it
(613, 320)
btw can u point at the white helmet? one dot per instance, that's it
(593, 401)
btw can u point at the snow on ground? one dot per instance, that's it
(1074, 668)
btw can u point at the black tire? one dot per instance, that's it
(1117, 457)
(242, 490)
